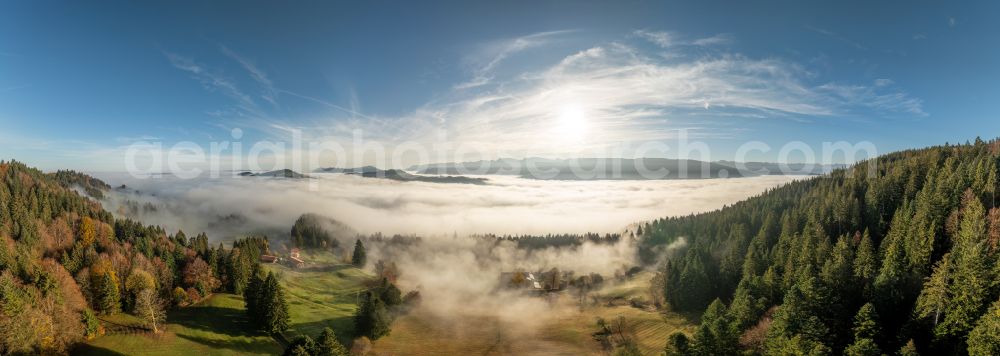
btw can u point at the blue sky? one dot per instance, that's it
(81, 80)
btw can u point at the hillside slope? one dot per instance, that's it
(899, 252)
(66, 264)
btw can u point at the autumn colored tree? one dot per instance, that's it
(87, 231)
(149, 307)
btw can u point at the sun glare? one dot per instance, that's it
(572, 123)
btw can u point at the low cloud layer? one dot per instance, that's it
(228, 207)
(457, 276)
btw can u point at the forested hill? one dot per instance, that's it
(903, 260)
(64, 260)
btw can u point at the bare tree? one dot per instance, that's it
(149, 308)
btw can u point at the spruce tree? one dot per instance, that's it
(910, 349)
(934, 297)
(300, 346)
(389, 294)
(972, 277)
(252, 293)
(359, 257)
(678, 345)
(275, 308)
(328, 345)
(372, 319)
(108, 297)
(984, 340)
(716, 335)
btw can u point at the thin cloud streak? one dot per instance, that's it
(624, 93)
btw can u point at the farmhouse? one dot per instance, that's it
(543, 281)
(269, 259)
(518, 280)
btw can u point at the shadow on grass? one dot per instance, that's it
(343, 326)
(88, 349)
(229, 321)
(268, 345)
(324, 268)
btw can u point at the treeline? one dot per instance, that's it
(534, 242)
(901, 258)
(314, 231)
(64, 259)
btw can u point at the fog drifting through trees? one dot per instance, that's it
(457, 275)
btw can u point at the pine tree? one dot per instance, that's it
(301, 346)
(274, 306)
(985, 337)
(716, 335)
(253, 292)
(865, 260)
(749, 302)
(327, 345)
(359, 257)
(108, 297)
(678, 345)
(910, 349)
(389, 294)
(934, 297)
(238, 273)
(372, 319)
(866, 331)
(972, 276)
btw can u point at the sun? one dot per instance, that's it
(571, 122)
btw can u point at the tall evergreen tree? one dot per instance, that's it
(360, 256)
(253, 294)
(935, 296)
(275, 307)
(716, 335)
(984, 340)
(328, 345)
(371, 319)
(972, 277)
(109, 299)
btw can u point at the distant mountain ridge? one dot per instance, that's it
(619, 168)
(402, 176)
(281, 173)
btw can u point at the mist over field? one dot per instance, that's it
(232, 206)
(456, 274)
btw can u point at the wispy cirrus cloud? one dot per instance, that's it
(489, 56)
(837, 37)
(628, 94)
(665, 39)
(214, 81)
(615, 92)
(256, 73)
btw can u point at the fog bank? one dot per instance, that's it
(231, 206)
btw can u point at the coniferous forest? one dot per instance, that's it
(895, 256)
(892, 256)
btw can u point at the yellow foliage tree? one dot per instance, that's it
(88, 231)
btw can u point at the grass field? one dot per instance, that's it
(216, 326)
(322, 294)
(565, 331)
